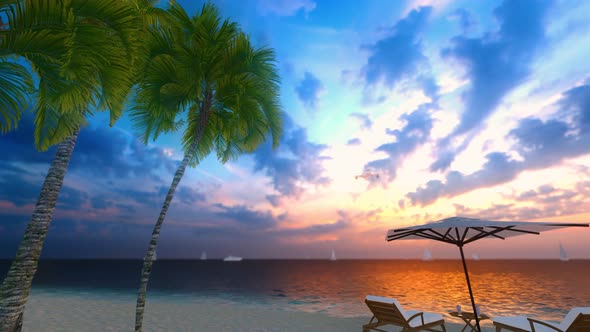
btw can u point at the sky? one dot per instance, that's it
(469, 108)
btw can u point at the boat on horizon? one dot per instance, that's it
(475, 256)
(427, 256)
(203, 256)
(231, 258)
(562, 253)
(333, 257)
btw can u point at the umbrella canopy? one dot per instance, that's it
(460, 231)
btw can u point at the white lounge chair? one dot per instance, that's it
(388, 311)
(577, 320)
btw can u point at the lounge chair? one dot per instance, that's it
(577, 320)
(388, 311)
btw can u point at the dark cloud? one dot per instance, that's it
(188, 195)
(247, 218)
(576, 101)
(17, 189)
(111, 152)
(353, 141)
(363, 119)
(319, 229)
(415, 132)
(142, 197)
(540, 144)
(295, 161)
(309, 90)
(498, 169)
(18, 145)
(71, 199)
(399, 56)
(101, 202)
(275, 200)
(496, 63)
(108, 152)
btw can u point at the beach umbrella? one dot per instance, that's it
(461, 231)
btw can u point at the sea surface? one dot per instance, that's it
(545, 289)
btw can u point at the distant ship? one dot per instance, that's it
(562, 254)
(231, 258)
(475, 256)
(333, 257)
(427, 255)
(203, 256)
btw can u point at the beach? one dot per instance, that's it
(85, 312)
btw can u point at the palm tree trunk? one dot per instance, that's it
(148, 259)
(15, 288)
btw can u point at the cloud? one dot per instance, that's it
(497, 169)
(363, 119)
(399, 55)
(245, 218)
(415, 132)
(17, 190)
(540, 144)
(465, 19)
(309, 90)
(343, 222)
(71, 199)
(188, 195)
(112, 152)
(295, 162)
(102, 202)
(353, 141)
(109, 152)
(285, 7)
(496, 63)
(543, 202)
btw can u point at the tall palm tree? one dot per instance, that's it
(89, 68)
(204, 76)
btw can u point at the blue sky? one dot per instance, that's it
(462, 108)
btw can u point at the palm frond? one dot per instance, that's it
(228, 90)
(16, 85)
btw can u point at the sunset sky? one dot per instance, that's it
(470, 108)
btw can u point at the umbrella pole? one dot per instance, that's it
(470, 291)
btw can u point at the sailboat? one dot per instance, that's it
(427, 255)
(203, 256)
(562, 254)
(475, 256)
(333, 257)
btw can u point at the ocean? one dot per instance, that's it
(545, 289)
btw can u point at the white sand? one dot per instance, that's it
(85, 312)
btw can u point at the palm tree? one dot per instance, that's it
(88, 67)
(225, 91)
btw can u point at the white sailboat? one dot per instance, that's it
(333, 257)
(203, 256)
(562, 254)
(427, 256)
(475, 256)
(231, 258)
